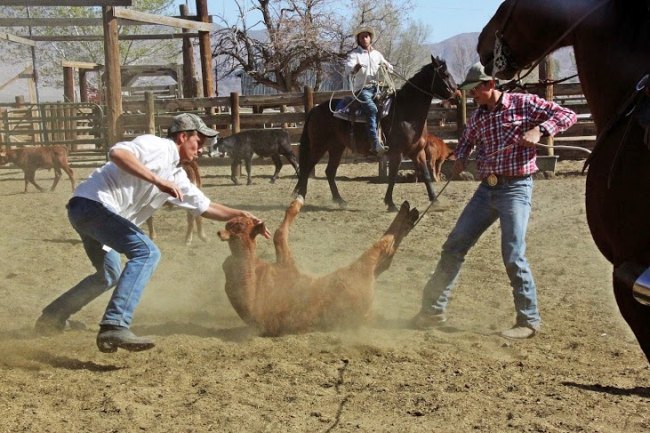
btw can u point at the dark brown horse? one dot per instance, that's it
(403, 127)
(611, 40)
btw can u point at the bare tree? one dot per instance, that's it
(294, 41)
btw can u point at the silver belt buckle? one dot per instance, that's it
(492, 179)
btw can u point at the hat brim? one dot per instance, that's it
(208, 132)
(470, 85)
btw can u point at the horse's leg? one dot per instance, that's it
(335, 154)
(634, 313)
(394, 160)
(278, 166)
(57, 177)
(421, 161)
(306, 168)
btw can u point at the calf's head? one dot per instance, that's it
(240, 232)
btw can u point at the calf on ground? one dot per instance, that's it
(30, 159)
(192, 170)
(263, 142)
(278, 299)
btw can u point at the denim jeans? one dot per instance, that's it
(369, 107)
(102, 230)
(510, 203)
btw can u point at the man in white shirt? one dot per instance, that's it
(107, 209)
(363, 64)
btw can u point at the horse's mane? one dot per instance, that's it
(421, 80)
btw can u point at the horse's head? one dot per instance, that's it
(443, 85)
(521, 31)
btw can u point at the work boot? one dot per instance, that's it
(426, 320)
(48, 325)
(519, 332)
(111, 337)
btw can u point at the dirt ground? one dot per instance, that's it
(583, 373)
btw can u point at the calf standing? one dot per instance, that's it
(437, 153)
(263, 142)
(30, 159)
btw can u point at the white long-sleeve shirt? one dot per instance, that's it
(136, 199)
(369, 61)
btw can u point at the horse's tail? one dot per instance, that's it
(304, 155)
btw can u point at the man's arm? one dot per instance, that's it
(128, 162)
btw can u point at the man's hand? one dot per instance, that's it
(169, 188)
(459, 167)
(531, 137)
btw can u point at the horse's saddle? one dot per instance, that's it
(351, 110)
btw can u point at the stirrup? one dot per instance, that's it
(633, 275)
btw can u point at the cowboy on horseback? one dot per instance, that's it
(363, 65)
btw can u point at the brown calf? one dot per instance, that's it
(277, 298)
(30, 159)
(437, 152)
(192, 170)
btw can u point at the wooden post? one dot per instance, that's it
(83, 85)
(113, 75)
(309, 100)
(3, 132)
(68, 84)
(234, 120)
(461, 114)
(209, 86)
(546, 73)
(189, 88)
(150, 110)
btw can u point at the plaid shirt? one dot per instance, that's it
(497, 134)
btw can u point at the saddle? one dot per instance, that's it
(350, 109)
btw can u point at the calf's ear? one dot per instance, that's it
(224, 235)
(258, 229)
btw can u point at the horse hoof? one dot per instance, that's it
(392, 208)
(342, 204)
(299, 198)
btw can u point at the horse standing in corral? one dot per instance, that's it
(403, 128)
(611, 41)
(273, 143)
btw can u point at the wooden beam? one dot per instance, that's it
(17, 39)
(157, 19)
(83, 3)
(79, 65)
(78, 38)
(69, 22)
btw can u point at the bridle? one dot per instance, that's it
(430, 92)
(502, 57)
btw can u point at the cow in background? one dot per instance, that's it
(271, 143)
(30, 159)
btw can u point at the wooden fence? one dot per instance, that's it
(81, 126)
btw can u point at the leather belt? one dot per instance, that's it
(498, 179)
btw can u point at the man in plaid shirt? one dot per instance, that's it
(504, 130)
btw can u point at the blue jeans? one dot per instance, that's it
(99, 227)
(365, 96)
(510, 203)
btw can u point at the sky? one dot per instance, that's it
(445, 18)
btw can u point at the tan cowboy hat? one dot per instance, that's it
(364, 29)
(475, 76)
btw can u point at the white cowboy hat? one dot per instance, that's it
(364, 29)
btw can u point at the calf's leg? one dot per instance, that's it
(278, 166)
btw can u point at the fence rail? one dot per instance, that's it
(81, 126)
